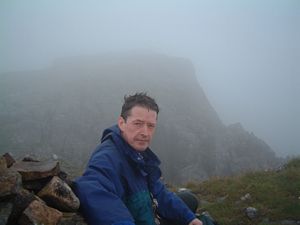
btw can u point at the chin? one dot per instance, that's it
(140, 149)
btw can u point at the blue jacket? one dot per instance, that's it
(115, 188)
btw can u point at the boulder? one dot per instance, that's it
(39, 213)
(5, 211)
(30, 158)
(36, 185)
(65, 177)
(36, 170)
(9, 159)
(251, 212)
(21, 202)
(246, 197)
(59, 195)
(3, 164)
(10, 183)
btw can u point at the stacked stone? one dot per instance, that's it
(36, 192)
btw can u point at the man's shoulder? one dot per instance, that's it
(107, 147)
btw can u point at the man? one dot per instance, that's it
(122, 180)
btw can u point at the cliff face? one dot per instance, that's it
(63, 109)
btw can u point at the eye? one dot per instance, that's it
(151, 126)
(138, 124)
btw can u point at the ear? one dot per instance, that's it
(121, 123)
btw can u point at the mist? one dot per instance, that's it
(246, 53)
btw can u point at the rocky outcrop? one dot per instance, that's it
(45, 205)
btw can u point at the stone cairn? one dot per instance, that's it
(34, 192)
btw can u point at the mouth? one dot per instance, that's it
(143, 141)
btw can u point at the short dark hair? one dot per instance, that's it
(138, 99)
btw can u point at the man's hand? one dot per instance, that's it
(195, 222)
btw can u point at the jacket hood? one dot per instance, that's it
(109, 131)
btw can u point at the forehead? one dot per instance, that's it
(142, 113)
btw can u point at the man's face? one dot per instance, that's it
(139, 127)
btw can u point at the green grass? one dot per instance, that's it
(275, 194)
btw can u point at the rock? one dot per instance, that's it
(71, 219)
(59, 195)
(251, 212)
(9, 159)
(39, 213)
(3, 164)
(10, 183)
(64, 176)
(36, 185)
(21, 202)
(30, 158)
(37, 170)
(246, 197)
(54, 156)
(5, 211)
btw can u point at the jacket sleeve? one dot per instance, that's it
(170, 206)
(99, 192)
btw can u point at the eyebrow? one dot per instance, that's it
(142, 121)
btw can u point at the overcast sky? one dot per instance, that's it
(246, 53)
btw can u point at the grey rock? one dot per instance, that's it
(251, 212)
(39, 213)
(21, 202)
(30, 158)
(9, 159)
(3, 164)
(59, 195)
(36, 170)
(5, 210)
(10, 183)
(246, 197)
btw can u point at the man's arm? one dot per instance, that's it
(99, 196)
(171, 207)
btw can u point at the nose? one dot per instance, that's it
(145, 131)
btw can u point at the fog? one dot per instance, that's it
(246, 53)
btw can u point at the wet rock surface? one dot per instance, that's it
(39, 213)
(10, 183)
(59, 195)
(32, 170)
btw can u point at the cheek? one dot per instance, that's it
(132, 132)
